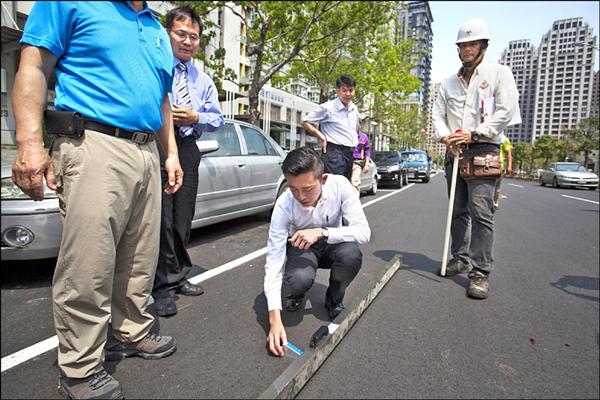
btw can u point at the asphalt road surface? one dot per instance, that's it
(537, 336)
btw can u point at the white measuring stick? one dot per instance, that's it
(449, 218)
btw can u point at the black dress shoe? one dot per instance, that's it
(333, 310)
(165, 306)
(293, 303)
(189, 289)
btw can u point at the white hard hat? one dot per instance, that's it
(473, 29)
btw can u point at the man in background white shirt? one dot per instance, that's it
(338, 128)
(306, 227)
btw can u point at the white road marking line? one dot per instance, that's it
(512, 184)
(42, 347)
(28, 353)
(577, 198)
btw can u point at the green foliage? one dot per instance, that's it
(585, 137)
(521, 154)
(549, 148)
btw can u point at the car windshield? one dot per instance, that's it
(387, 157)
(570, 167)
(414, 157)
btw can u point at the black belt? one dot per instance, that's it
(340, 146)
(139, 137)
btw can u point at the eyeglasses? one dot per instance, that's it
(182, 35)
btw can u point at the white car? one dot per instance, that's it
(568, 174)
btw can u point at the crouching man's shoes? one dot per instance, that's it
(151, 347)
(293, 303)
(456, 266)
(97, 386)
(333, 309)
(189, 289)
(479, 286)
(165, 306)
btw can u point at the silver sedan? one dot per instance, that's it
(240, 174)
(568, 174)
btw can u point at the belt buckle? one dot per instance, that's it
(140, 137)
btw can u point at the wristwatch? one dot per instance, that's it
(325, 233)
(474, 137)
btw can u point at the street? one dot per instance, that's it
(537, 336)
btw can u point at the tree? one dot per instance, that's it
(279, 31)
(549, 148)
(521, 153)
(585, 137)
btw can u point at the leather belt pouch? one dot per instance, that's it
(64, 123)
(483, 165)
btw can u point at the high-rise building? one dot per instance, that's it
(434, 149)
(521, 57)
(595, 95)
(565, 67)
(414, 22)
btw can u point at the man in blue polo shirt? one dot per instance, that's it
(105, 169)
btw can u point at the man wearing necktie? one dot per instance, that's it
(195, 110)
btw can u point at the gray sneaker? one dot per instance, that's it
(151, 347)
(97, 386)
(479, 286)
(456, 266)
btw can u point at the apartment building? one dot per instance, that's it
(564, 77)
(521, 56)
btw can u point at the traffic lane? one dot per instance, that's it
(510, 184)
(221, 342)
(26, 303)
(27, 285)
(423, 338)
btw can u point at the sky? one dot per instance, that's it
(508, 20)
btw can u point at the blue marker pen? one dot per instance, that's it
(294, 349)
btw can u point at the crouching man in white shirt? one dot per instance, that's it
(306, 227)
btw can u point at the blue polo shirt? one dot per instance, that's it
(113, 64)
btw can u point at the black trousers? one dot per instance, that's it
(177, 212)
(338, 160)
(344, 260)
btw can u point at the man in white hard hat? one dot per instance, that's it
(473, 109)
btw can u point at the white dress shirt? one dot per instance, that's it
(338, 199)
(337, 122)
(488, 105)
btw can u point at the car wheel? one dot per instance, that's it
(592, 188)
(555, 183)
(542, 183)
(373, 189)
(399, 182)
(426, 179)
(405, 179)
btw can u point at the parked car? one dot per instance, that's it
(390, 169)
(240, 174)
(417, 164)
(568, 174)
(369, 181)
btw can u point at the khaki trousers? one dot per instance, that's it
(110, 197)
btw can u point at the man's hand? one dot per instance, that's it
(184, 116)
(31, 166)
(305, 238)
(174, 174)
(277, 338)
(460, 137)
(366, 168)
(452, 149)
(323, 143)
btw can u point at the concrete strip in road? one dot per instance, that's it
(293, 379)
